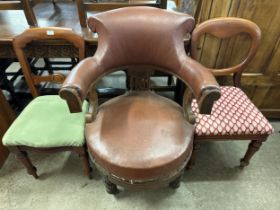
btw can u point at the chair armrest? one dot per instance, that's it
(77, 84)
(202, 83)
(200, 80)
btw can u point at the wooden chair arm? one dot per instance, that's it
(78, 83)
(187, 102)
(202, 83)
(93, 101)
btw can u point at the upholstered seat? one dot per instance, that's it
(56, 127)
(140, 136)
(46, 125)
(233, 114)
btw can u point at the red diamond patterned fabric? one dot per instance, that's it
(232, 114)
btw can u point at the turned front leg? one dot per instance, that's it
(83, 154)
(22, 156)
(253, 147)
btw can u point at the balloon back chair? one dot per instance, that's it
(139, 139)
(234, 116)
(45, 125)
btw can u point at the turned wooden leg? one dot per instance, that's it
(82, 151)
(23, 157)
(111, 188)
(176, 182)
(253, 147)
(191, 163)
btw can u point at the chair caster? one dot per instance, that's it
(111, 188)
(175, 183)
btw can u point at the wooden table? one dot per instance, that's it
(62, 14)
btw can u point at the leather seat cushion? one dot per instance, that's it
(233, 114)
(47, 122)
(140, 135)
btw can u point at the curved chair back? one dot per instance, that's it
(39, 34)
(140, 36)
(226, 27)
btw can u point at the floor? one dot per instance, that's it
(214, 183)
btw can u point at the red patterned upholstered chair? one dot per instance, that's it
(234, 116)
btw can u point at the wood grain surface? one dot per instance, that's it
(261, 79)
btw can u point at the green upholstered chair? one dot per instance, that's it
(46, 125)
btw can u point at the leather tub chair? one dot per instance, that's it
(139, 139)
(45, 125)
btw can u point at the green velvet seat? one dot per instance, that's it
(46, 125)
(47, 122)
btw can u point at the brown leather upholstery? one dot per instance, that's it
(140, 136)
(139, 36)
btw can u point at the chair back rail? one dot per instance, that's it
(41, 34)
(226, 27)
